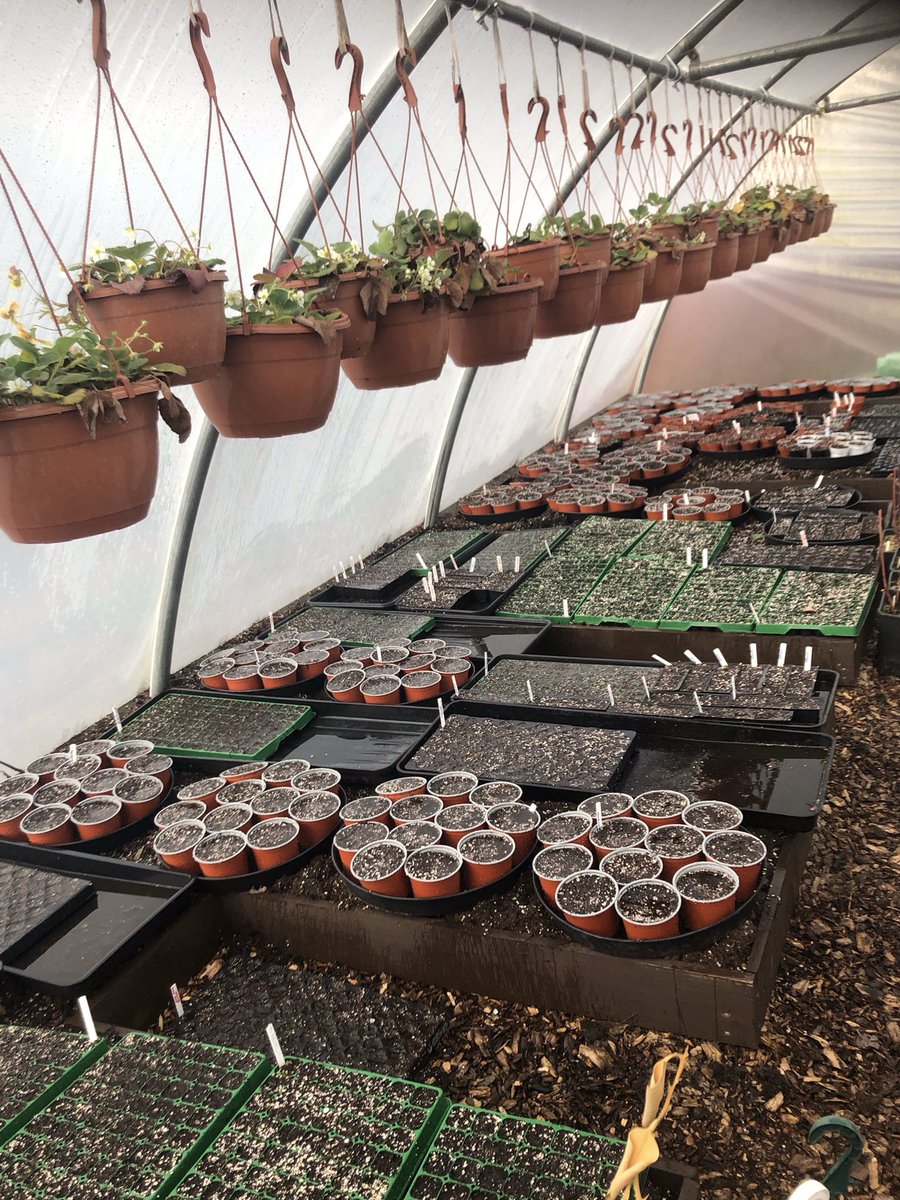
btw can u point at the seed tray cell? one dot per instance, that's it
(887, 458)
(359, 626)
(37, 1065)
(634, 592)
(832, 604)
(349, 1133)
(670, 540)
(195, 727)
(383, 578)
(720, 598)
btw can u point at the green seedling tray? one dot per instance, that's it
(65, 1079)
(723, 626)
(301, 716)
(411, 1160)
(477, 536)
(826, 630)
(584, 618)
(591, 1139)
(648, 548)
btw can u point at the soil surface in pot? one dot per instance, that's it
(586, 893)
(705, 885)
(60, 791)
(268, 835)
(275, 800)
(488, 794)
(565, 827)
(661, 803)
(94, 811)
(183, 810)
(201, 787)
(559, 861)
(675, 841)
(312, 806)
(418, 808)
(415, 835)
(734, 849)
(228, 817)
(515, 818)
(396, 787)
(430, 865)
(149, 764)
(219, 847)
(243, 792)
(377, 861)
(137, 788)
(364, 808)
(450, 785)
(380, 685)
(460, 816)
(354, 837)
(711, 816)
(647, 903)
(619, 833)
(177, 838)
(627, 866)
(486, 848)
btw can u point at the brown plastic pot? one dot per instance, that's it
(14, 809)
(394, 883)
(374, 832)
(698, 914)
(621, 294)
(747, 874)
(46, 767)
(551, 879)
(540, 260)
(575, 306)
(478, 874)
(344, 687)
(747, 251)
(57, 484)
(133, 810)
(400, 788)
(667, 280)
(473, 819)
(594, 250)
(315, 815)
(656, 843)
(242, 679)
(524, 838)
(497, 328)
(765, 243)
(410, 345)
(191, 833)
(205, 794)
(89, 826)
(266, 857)
(422, 685)
(190, 325)
(360, 333)
(62, 830)
(373, 697)
(276, 380)
(695, 268)
(604, 921)
(430, 889)
(666, 927)
(237, 863)
(725, 256)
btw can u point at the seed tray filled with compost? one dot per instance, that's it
(201, 730)
(671, 540)
(35, 1066)
(721, 598)
(130, 901)
(380, 580)
(634, 592)
(552, 760)
(823, 528)
(887, 458)
(777, 776)
(32, 902)
(317, 1129)
(825, 602)
(134, 1123)
(793, 499)
(316, 1016)
(584, 684)
(750, 549)
(483, 1153)
(359, 626)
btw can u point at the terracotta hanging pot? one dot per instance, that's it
(540, 260)
(695, 268)
(649, 270)
(667, 279)
(829, 217)
(725, 256)
(276, 380)
(344, 295)
(593, 250)
(190, 325)
(765, 243)
(747, 251)
(575, 306)
(819, 221)
(498, 328)
(807, 224)
(622, 294)
(410, 346)
(58, 484)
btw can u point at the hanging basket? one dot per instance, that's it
(747, 251)
(575, 306)
(819, 221)
(725, 256)
(276, 380)
(593, 251)
(360, 333)
(540, 260)
(829, 217)
(765, 243)
(498, 328)
(58, 484)
(622, 294)
(667, 279)
(807, 225)
(410, 346)
(695, 268)
(190, 325)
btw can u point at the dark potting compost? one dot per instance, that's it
(586, 893)
(359, 626)
(627, 866)
(705, 885)
(646, 903)
(413, 836)
(34, 1063)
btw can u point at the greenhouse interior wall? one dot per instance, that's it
(277, 515)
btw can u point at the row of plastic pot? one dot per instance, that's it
(615, 865)
(97, 788)
(698, 504)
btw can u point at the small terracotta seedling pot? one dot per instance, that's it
(452, 669)
(372, 692)
(329, 646)
(399, 789)
(572, 826)
(49, 826)
(316, 814)
(379, 868)
(272, 803)
(312, 663)
(443, 861)
(85, 764)
(510, 818)
(121, 752)
(282, 774)
(139, 794)
(345, 686)
(602, 918)
(459, 820)
(717, 849)
(342, 664)
(204, 790)
(103, 782)
(553, 864)
(688, 847)
(498, 791)
(349, 840)
(182, 810)
(12, 809)
(58, 791)
(308, 637)
(229, 816)
(366, 808)
(157, 765)
(318, 779)
(244, 791)
(285, 832)
(223, 855)
(246, 770)
(97, 816)
(479, 874)
(45, 767)
(421, 685)
(175, 845)
(444, 786)
(653, 821)
(713, 816)
(418, 807)
(99, 746)
(212, 673)
(665, 897)
(242, 678)
(285, 672)
(699, 913)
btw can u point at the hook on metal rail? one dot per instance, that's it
(354, 102)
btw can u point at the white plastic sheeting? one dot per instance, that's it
(277, 515)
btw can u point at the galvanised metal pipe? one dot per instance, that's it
(862, 102)
(800, 49)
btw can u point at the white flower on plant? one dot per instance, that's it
(131, 233)
(262, 295)
(98, 250)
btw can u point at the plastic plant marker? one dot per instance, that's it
(641, 1149)
(804, 539)
(500, 563)
(455, 687)
(117, 719)
(609, 692)
(422, 562)
(704, 559)
(472, 562)
(733, 688)
(271, 623)
(646, 686)
(755, 612)
(807, 658)
(693, 657)
(87, 1019)
(73, 752)
(176, 999)
(485, 662)
(782, 653)
(659, 658)
(425, 585)
(754, 657)
(689, 556)
(810, 1189)
(443, 719)
(547, 547)
(352, 565)
(699, 705)
(277, 1052)
(530, 690)
(720, 657)
(454, 564)
(566, 608)
(442, 569)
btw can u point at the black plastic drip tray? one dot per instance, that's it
(129, 901)
(33, 902)
(362, 741)
(497, 635)
(315, 1016)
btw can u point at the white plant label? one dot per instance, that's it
(665, 512)
(756, 616)
(720, 658)
(759, 406)
(565, 608)
(733, 688)
(343, 570)
(804, 540)
(454, 563)
(705, 559)
(271, 623)
(87, 1019)
(530, 690)
(362, 565)
(609, 692)
(277, 1052)
(472, 562)
(754, 658)
(782, 653)
(442, 569)
(699, 705)
(176, 999)
(646, 686)
(598, 813)
(337, 578)
(441, 713)
(807, 658)
(352, 565)
(117, 719)
(422, 562)
(547, 546)
(566, 448)
(692, 656)
(689, 556)
(73, 752)
(659, 658)
(425, 582)
(517, 565)
(500, 563)
(455, 687)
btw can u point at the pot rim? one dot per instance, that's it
(577, 846)
(475, 833)
(524, 247)
(108, 798)
(762, 857)
(378, 878)
(660, 920)
(594, 912)
(47, 408)
(103, 290)
(264, 825)
(229, 833)
(342, 323)
(65, 816)
(197, 827)
(705, 868)
(445, 851)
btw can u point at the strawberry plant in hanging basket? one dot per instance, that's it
(623, 291)
(78, 435)
(536, 252)
(588, 243)
(576, 305)
(163, 288)
(281, 368)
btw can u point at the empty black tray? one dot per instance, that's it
(130, 902)
(496, 635)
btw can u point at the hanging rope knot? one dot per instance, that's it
(199, 29)
(354, 102)
(540, 134)
(280, 54)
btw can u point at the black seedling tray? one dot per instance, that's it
(365, 742)
(520, 514)
(777, 777)
(818, 718)
(118, 837)
(32, 902)
(764, 511)
(498, 635)
(867, 539)
(482, 603)
(256, 879)
(130, 902)
(824, 462)
(624, 947)
(440, 906)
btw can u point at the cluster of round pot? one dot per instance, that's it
(603, 494)
(731, 440)
(653, 865)
(801, 388)
(437, 837)
(254, 816)
(826, 445)
(272, 662)
(864, 386)
(96, 788)
(399, 673)
(697, 504)
(504, 498)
